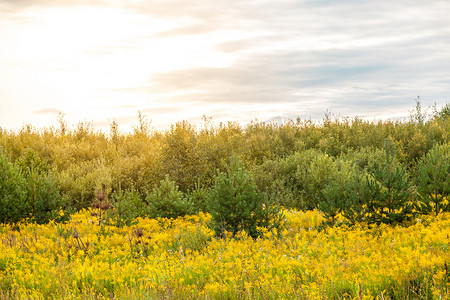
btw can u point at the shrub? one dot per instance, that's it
(13, 192)
(278, 176)
(433, 179)
(444, 113)
(31, 162)
(79, 182)
(334, 197)
(26, 191)
(198, 197)
(167, 201)
(236, 204)
(181, 156)
(126, 205)
(333, 202)
(390, 193)
(357, 196)
(366, 157)
(46, 200)
(43, 194)
(298, 180)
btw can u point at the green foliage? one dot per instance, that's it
(79, 182)
(313, 173)
(143, 128)
(132, 172)
(181, 155)
(46, 200)
(332, 202)
(236, 204)
(127, 205)
(299, 162)
(42, 190)
(298, 180)
(342, 194)
(378, 193)
(166, 201)
(278, 176)
(198, 197)
(357, 196)
(26, 191)
(13, 192)
(444, 113)
(433, 180)
(390, 191)
(30, 162)
(417, 116)
(365, 158)
(413, 146)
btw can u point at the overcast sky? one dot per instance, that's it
(230, 60)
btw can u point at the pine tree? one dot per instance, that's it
(167, 201)
(390, 191)
(433, 181)
(235, 203)
(13, 192)
(358, 200)
(333, 202)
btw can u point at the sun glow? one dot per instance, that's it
(90, 60)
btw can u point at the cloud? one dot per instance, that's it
(50, 110)
(376, 79)
(187, 30)
(267, 77)
(243, 44)
(161, 110)
(339, 55)
(285, 57)
(24, 4)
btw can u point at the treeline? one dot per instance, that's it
(375, 171)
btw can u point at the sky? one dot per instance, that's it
(101, 61)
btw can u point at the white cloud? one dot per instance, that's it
(238, 59)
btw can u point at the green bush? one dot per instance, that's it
(198, 197)
(333, 202)
(298, 180)
(379, 193)
(79, 182)
(236, 204)
(126, 206)
(13, 192)
(27, 191)
(357, 196)
(366, 157)
(46, 200)
(278, 176)
(43, 193)
(166, 201)
(433, 179)
(444, 113)
(336, 197)
(31, 162)
(181, 156)
(389, 190)
(301, 163)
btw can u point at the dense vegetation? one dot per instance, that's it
(182, 197)
(368, 171)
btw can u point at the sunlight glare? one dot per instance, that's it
(79, 59)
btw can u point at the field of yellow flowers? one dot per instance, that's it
(181, 259)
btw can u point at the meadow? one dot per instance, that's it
(340, 209)
(181, 259)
